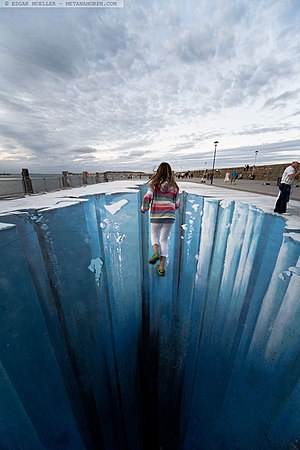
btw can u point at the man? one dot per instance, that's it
(285, 185)
(233, 176)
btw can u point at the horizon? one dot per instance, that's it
(143, 172)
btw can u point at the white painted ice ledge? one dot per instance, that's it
(69, 196)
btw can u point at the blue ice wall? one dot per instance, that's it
(98, 352)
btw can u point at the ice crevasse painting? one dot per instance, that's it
(98, 352)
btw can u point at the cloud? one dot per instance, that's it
(249, 82)
(297, 113)
(150, 81)
(257, 129)
(84, 150)
(184, 146)
(282, 99)
(132, 144)
(39, 47)
(137, 153)
(194, 46)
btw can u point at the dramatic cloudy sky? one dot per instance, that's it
(125, 88)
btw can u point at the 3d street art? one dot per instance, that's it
(98, 352)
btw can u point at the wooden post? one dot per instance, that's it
(65, 179)
(85, 178)
(26, 181)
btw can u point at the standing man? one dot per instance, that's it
(285, 185)
(233, 176)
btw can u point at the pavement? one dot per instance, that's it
(254, 192)
(263, 200)
(256, 187)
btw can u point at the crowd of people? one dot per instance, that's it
(183, 175)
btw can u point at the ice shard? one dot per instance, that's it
(98, 352)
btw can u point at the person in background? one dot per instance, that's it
(233, 176)
(287, 180)
(162, 198)
(227, 177)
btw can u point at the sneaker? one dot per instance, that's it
(286, 214)
(154, 258)
(160, 272)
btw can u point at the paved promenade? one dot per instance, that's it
(256, 187)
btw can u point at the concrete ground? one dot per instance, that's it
(257, 187)
(254, 192)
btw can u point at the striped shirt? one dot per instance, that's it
(285, 179)
(162, 201)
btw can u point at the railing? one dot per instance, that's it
(11, 187)
(19, 186)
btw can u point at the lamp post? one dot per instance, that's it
(255, 156)
(213, 167)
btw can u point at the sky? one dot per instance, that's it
(126, 88)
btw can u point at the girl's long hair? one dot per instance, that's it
(164, 173)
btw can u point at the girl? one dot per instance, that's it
(163, 196)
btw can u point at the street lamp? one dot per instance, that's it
(213, 167)
(255, 156)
